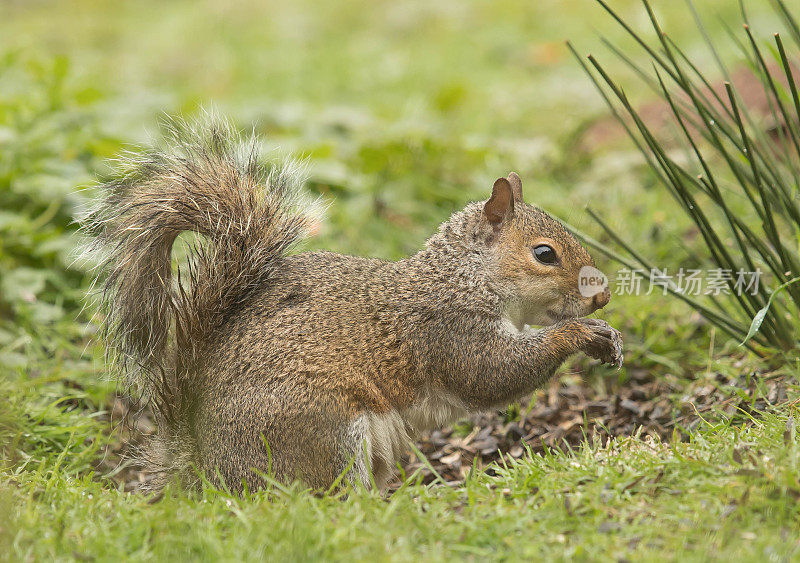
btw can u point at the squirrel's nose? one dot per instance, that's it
(601, 299)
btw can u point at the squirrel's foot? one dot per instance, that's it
(604, 341)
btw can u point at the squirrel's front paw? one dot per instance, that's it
(603, 342)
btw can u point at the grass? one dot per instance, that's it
(731, 491)
(405, 114)
(737, 170)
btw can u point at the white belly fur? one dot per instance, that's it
(386, 436)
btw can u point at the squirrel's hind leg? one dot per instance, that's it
(285, 440)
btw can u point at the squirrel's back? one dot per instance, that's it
(307, 355)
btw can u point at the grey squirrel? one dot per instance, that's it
(313, 365)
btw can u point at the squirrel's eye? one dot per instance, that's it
(545, 254)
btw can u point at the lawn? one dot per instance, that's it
(405, 112)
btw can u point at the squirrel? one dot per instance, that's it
(262, 364)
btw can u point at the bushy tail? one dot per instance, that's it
(207, 179)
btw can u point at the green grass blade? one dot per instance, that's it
(759, 317)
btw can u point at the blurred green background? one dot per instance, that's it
(405, 112)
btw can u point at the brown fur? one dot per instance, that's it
(304, 365)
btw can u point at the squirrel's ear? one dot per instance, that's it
(516, 186)
(501, 204)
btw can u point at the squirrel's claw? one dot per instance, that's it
(618, 353)
(605, 342)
